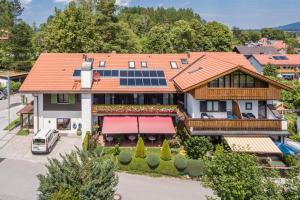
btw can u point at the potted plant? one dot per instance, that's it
(79, 132)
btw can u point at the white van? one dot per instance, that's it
(44, 141)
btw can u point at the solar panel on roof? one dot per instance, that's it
(123, 81)
(138, 74)
(154, 82)
(153, 74)
(160, 74)
(131, 82)
(162, 82)
(130, 73)
(77, 72)
(123, 73)
(115, 73)
(145, 73)
(146, 81)
(280, 57)
(139, 82)
(107, 73)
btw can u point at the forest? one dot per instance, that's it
(103, 26)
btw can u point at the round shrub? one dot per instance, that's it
(153, 160)
(290, 160)
(125, 157)
(180, 162)
(194, 168)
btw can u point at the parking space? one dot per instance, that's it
(19, 148)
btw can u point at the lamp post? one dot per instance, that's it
(8, 100)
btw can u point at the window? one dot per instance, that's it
(131, 64)
(144, 64)
(184, 61)
(102, 63)
(173, 65)
(248, 106)
(212, 106)
(62, 98)
(64, 124)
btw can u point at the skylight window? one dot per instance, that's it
(280, 57)
(174, 65)
(143, 64)
(102, 63)
(184, 61)
(131, 64)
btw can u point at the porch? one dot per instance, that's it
(26, 116)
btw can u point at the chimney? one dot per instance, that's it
(188, 53)
(86, 73)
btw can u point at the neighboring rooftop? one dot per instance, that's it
(285, 59)
(53, 72)
(250, 50)
(277, 44)
(12, 73)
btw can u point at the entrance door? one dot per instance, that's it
(262, 109)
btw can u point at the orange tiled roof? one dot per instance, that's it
(277, 44)
(53, 72)
(293, 59)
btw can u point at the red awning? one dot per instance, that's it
(120, 125)
(156, 125)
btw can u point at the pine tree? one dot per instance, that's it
(165, 153)
(140, 149)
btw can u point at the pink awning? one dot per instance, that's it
(120, 125)
(156, 125)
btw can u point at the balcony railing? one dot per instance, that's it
(239, 124)
(135, 109)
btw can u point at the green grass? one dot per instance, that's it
(13, 124)
(23, 132)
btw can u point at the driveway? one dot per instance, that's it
(18, 181)
(19, 148)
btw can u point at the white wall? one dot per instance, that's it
(86, 78)
(50, 119)
(256, 65)
(3, 82)
(193, 108)
(254, 110)
(38, 112)
(86, 113)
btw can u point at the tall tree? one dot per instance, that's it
(272, 34)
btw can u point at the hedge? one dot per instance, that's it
(194, 168)
(153, 160)
(180, 162)
(125, 157)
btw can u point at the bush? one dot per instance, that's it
(140, 149)
(290, 160)
(23, 132)
(153, 160)
(85, 143)
(197, 146)
(219, 150)
(116, 150)
(79, 132)
(174, 142)
(194, 168)
(165, 153)
(180, 162)
(63, 195)
(125, 157)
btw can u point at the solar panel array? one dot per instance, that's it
(143, 82)
(280, 57)
(77, 72)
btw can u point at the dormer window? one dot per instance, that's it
(184, 61)
(173, 65)
(102, 63)
(131, 64)
(143, 64)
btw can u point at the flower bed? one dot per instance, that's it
(133, 109)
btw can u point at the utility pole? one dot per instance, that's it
(8, 100)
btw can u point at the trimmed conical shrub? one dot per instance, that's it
(165, 153)
(140, 149)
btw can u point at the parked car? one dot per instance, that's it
(44, 141)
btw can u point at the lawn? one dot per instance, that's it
(13, 124)
(23, 132)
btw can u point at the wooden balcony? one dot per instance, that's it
(239, 124)
(207, 93)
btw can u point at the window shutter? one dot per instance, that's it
(53, 98)
(222, 106)
(203, 106)
(72, 98)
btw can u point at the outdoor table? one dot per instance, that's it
(152, 139)
(131, 138)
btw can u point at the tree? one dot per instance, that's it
(157, 40)
(197, 146)
(21, 47)
(236, 32)
(140, 149)
(272, 34)
(270, 70)
(82, 175)
(236, 176)
(165, 153)
(249, 36)
(292, 98)
(86, 141)
(9, 11)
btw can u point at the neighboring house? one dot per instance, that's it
(220, 94)
(13, 75)
(279, 45)
(250, 50)
(288, 65)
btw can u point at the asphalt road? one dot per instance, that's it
(18, 181)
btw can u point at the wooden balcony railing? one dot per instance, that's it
(239, 124)
(237, 93)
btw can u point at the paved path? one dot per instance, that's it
(18, 182)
